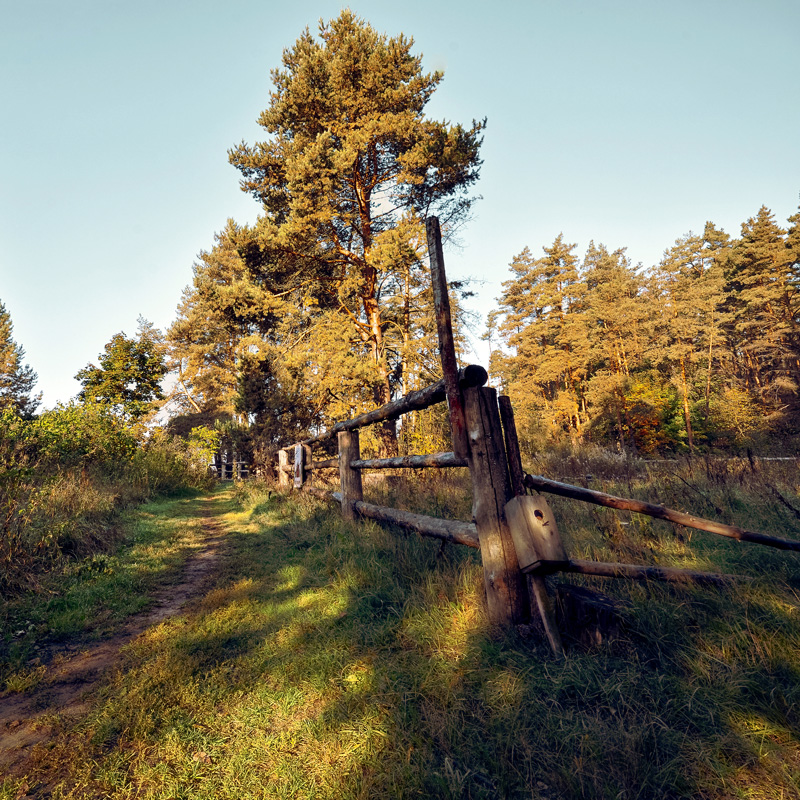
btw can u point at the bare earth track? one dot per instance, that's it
(74, 674)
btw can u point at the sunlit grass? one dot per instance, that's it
(91, 596)
(333, 660)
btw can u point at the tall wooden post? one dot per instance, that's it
(350, 479)
(506, 590)
(444, 327)
(512, 445)
(283, 476)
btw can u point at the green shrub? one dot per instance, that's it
(65, 475)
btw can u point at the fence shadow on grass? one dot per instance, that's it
(342, 660)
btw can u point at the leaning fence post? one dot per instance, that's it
(537, 586)
(283, 475)
(350, 479)
(506, 590)
(512, 445)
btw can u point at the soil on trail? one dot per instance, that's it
(75, 672)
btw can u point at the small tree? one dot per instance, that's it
(128, 379)
(16, 379)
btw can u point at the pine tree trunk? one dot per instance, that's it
(686, 415)
(381, 390)
(708, 376)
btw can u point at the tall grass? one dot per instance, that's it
(63, 479)
(338, 660)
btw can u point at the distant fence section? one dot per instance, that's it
(230, 470)
(515, 531)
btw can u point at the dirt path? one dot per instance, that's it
(74, 674)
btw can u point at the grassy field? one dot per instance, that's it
(346, 661)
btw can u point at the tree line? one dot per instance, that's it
(700, 351)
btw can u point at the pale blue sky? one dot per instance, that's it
(629, 123)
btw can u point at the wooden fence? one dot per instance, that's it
(514, 530)
(230, 470)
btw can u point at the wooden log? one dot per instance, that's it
(444, 328)
(535, 533)
(350, 478)
(328, 463)
(472, 375)
(512, 445)
(449, 530)
(284, 470)
(506, 589)
(640, 573)
(439, 460)
(659, 512)
(538, 588)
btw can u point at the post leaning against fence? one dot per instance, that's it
(350, 479)
(506, 590)
(537, 586)
(512, 445)
(444, 326)
(283, 475)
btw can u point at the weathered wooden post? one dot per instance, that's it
(283, 475)
(350, 479)
(444, 326)
(523, 518)
(512, 445)
(540, 551)
(298, 467)
(506, 591)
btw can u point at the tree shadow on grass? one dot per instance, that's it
(334, 660)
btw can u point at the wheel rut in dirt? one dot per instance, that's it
(74, 673)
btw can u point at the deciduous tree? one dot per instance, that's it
(128, 378)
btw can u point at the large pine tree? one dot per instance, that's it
(763, 303)
(350, 158)
(687, 294)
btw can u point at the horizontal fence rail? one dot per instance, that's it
(449, 530)
(659, 512)
(470, 376)
(440, 460)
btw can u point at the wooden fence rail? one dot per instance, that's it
(472, 375)
(659, 512)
